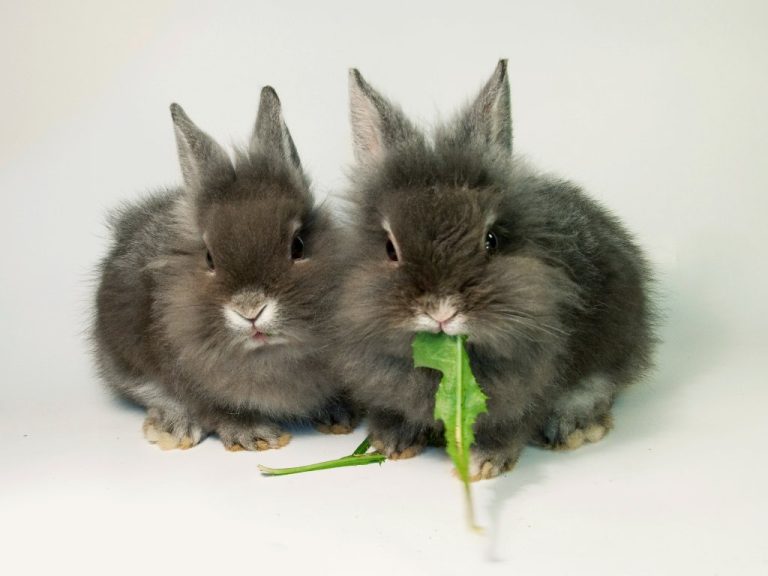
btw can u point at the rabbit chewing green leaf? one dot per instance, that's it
(458, 401)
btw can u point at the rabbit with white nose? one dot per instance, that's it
(214, 303)
(453, 234)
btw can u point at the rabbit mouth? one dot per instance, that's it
(449, 329)
(253, 324)
(439, 315)
(261, 337)
(258, 339)
(452, 326)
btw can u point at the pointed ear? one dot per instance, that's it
(488, 119)
(203, 162)
(271, 135)
(377, 124)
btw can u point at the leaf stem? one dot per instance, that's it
(471, 510)
(363, 448)
(353, 460)
(357, 458)
(459, 405)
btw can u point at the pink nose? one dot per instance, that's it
(252, 314)
(442, 314)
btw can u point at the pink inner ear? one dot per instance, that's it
(367, 127)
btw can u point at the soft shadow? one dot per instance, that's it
(305, 429)
(690, 341)
(122, 403)
(527, 472)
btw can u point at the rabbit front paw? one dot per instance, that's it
(237, 436)
(398, 443)
(486, 464)
(398, 449)
(171, 429)
(396, 437)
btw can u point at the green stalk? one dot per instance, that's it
(357, 458)
(463, 457)
(363, 448)
(471, 510)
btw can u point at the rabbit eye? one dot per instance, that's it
(297, 248)
(391, 250)
(491, 243)
(209, 260)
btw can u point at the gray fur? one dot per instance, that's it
(203, 162)
(564, 298)
(488, 121)
(270, 135)
(160, 332)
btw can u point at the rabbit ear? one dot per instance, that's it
(271, 135)
(488, 119)
(203, 162)
(377, 125)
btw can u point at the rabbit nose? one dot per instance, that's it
(251, 314)
(443, 313)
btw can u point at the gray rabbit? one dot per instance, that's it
(451, 234)
(215, 298)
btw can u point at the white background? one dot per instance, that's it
(657, 108)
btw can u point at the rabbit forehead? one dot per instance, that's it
(252, 220)
(250, 238)
(438, 213)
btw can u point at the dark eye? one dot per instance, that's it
(297, 248)
(491, 243)
(209, 260)
(391, 250)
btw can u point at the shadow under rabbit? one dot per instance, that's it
(690, 343)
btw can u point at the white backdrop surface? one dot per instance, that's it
(657, 108)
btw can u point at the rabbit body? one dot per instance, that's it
(453, 234)
(214, 299)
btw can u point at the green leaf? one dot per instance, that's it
(458, 401)
(357, 458)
